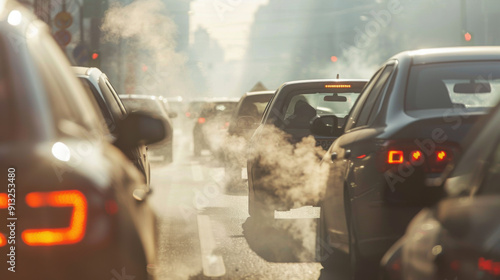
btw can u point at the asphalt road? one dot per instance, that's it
(205, 231)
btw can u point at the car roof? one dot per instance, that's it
(138, 96)
(451, 54)
(318, 81)
(263, 92)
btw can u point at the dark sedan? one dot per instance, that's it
(459, 237)
(399, 137)
(74, 204)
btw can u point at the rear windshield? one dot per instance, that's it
(323, 103)
(254, 106)
(474, 86)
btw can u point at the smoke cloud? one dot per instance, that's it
(148, 39)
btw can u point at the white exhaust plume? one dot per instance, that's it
(150, 52)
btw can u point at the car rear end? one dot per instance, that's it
(211, 126)
(324, 98)
(397, 171)
(67, 220)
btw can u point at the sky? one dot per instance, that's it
(227, 21)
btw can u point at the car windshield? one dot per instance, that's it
(143, 104)
(474, 86)
(324, 103)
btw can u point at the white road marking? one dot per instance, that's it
(197, 172)
(213, 264)
(306, 212)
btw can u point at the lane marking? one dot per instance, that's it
(213, 264)
(244, 174)
(306, 212)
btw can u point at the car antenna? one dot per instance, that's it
(338, 76)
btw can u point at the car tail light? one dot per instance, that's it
(395, 157)
(394, 154)
(188, 114)
(3, 200)
(74, 233)
(3, 205)
(201, 120)
(489, 266)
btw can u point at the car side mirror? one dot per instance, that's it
(172, 115)
(140, 128)
(326, 126)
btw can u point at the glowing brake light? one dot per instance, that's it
(490, 266)
(395, 157)
(3, 240)
(416, 155)
(58, 236)
(188, 114)
(201, 120)
(338, 86)
(3, 201)
(441, 155)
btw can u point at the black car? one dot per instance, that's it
(74, 203)
(113, 111)
(297, 110)
(402, 132)
(162, 151)
(458, 238)
(211, 125)
(244, 121)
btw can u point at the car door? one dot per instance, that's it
(349, 154)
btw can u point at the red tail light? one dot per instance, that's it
(188, 114)
(393, 154)
(3, 201)
(3, 205)
(490, 266)
(3, 240)
(395, 157)
(58, 236)
(201, 120)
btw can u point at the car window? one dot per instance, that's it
(115, 96)
(266, 110)
(254, 106)
(356, 109)
(492, 174)
(373, 95)
(94, 94)
(473, 86)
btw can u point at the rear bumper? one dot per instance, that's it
(105, 263)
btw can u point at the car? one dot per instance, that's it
(194, 107)
(402, 132)
(212, 124)
(159, 152)
(100, 88)
(457, 238)
(167, 106)
(244, 121)
(298, 109)
(75, 205)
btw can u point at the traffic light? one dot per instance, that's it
(95, 59)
